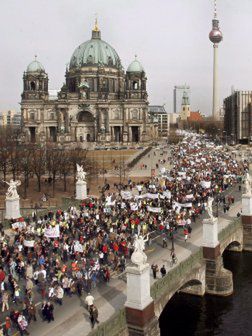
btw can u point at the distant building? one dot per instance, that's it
(10, 118)
(185, 107)
(16, 120)
(195, 117)
(238, 116)
(186, 115)
(173, 119)
(162, 117)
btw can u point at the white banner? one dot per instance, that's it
(205, 184)
(189, 196)
(126, 195)
(167, 194)
(184, 205)
(29, 243)
(78, 247)
(18, 225)
(52, 232)
(156, 210)
(133, 206)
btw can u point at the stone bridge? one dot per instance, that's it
(190, 276)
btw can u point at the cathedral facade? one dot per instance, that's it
(99, 102)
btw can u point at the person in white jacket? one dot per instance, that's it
(89, 301)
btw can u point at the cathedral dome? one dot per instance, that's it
(95, 52)
(35, 66)
(135, 66)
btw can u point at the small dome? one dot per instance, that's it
(135, 66)
(35, 66)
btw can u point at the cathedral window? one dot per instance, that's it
(110, 61)
(32, 116)
(134, 114)
(90, 59)
(135, 85)
(33, 86)
(52, 116)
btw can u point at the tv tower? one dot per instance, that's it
(215, 37)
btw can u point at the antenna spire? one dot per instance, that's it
(215, 9)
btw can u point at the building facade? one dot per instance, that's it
(10, 118)
(238, 116)
(99, 102)
(158, 112)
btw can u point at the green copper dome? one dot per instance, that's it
(135, 66)
(95, 52)
(35, 66)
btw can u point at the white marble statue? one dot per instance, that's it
(12, 189)
(81, 175)
(209, 207)
(138, 256)
(248, 184)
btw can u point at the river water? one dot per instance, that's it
(187, 315)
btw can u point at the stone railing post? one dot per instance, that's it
(219, 281)
(247, 221)
(140, 314)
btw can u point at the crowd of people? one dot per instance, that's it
(68, 252)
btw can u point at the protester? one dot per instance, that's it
(89, 301)
(93, 315)
(163, 271)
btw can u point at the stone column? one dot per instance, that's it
(81, 190)
(219, 281)
(12, 208)
(140, 314)
(247, 221)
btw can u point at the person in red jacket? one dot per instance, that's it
(2, 277)
(185, 234)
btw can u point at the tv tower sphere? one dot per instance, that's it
(215, 34)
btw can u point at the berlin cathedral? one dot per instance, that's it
(99, 102)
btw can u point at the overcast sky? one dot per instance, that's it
(170, 38)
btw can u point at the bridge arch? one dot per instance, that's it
(234, 246)
(233, 242)
(193, 283)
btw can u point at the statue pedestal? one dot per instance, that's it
(138, 287)
(210, 232)
(139, 307)
(12, 208)
(81, 190)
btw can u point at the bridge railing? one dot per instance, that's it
(168, 282)
(229, 229)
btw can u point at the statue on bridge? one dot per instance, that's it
(138, 256)
(248, 184)
(209, 208)
(12, 189)
(81, 175)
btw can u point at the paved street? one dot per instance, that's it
(74, 317)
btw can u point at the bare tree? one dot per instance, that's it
(38, 164)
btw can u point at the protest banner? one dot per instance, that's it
(18, 225)
(52, 232)
(29, 243)
(152, 209)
